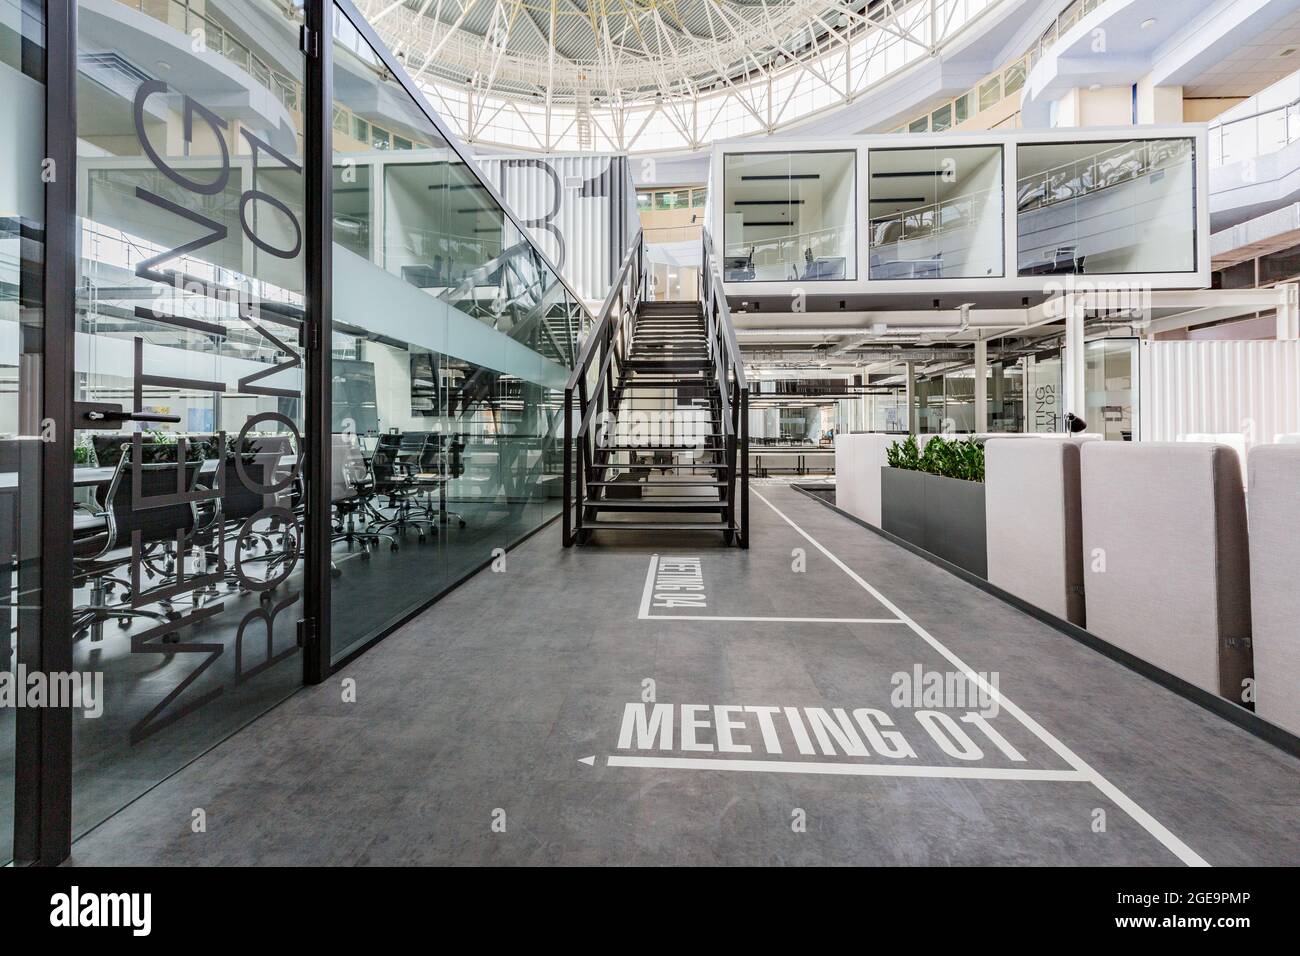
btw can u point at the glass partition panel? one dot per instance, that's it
(452, 343)
(1006, 397)
(22, 230)
(190, 303)
(1044, 393)
(1106, 208)
(936, 213)
(789, 216)
(1110, 373)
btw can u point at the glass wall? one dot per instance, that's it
(1110, 380)
(451, 346)
(936, 213)
(1044, 392)
(22, 213)
(189, 533)
(789, 216)
(1106, 208)
(945, 402)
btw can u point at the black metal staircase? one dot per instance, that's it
(656, 418)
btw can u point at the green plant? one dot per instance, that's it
(963, 460)
(904, 454)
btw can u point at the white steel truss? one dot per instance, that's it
(653, 75)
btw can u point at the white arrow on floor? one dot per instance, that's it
(589, 761)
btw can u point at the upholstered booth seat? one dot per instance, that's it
(1034, 524)
(1165, 556)
(1274, 506)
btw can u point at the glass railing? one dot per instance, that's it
(286, 89)
(1266, 123)
(1116, 164)
(939, 239)
(815, 254)
(1008, 81)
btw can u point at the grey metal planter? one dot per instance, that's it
(945, 516)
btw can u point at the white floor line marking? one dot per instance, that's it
(779, 620)
(1118, 797)
(649, 586)
(648, 592)
(845, 769)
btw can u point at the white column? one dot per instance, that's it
(1073, 363)
(981, 383)
(1288, 311)
(911, 398)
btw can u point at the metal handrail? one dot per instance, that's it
(610, 340)
(607, 349)
(733, 386)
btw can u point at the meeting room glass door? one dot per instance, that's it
(22, 319)
(190, 476)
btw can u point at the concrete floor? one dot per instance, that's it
(487, 730)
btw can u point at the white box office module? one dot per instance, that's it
(580, 209)
(990, 215)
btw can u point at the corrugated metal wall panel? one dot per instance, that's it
(1248, 388)
(580, 209)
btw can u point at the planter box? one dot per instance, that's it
(944, 516)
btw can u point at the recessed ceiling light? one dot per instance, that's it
(1148, 23)
(164, 65)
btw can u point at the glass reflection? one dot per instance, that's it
(188, 526)
(452, 340)
(1106, 208)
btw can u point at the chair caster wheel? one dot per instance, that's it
(265, 597)
(462, 522)
(123, 622)
(365, 555)
(421, 539)
(393, 546)
(336, 572)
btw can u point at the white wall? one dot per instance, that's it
(1248, 388)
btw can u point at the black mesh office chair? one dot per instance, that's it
(392, 479)
(351, 492)
(102, 543)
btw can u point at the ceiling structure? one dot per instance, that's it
(642, 75)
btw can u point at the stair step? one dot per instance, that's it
(656, 526)
(643, 446)
(647, 365)
(713, 465)
(656, 483)
(652, 504)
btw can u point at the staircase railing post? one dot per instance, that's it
(744, 467)
(567, 534)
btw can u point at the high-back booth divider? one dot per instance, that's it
(858, 460)
(1165, 553)
(1274, 506)
(1032, 509)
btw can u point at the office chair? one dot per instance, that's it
(453, 468)
(99, 541)
(255, 462)
(392, 479)
(351, 488)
